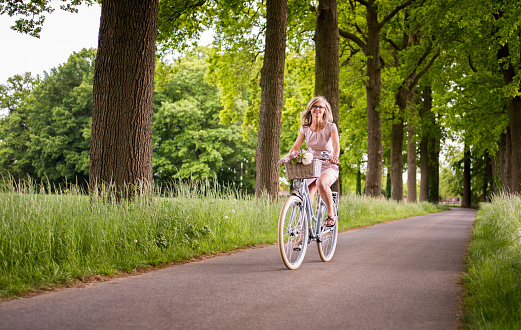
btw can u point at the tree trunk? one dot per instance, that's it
(514, 112)
(466, 200)
(513, 147)
(270, 111)
(397, 145)
(495, 174)
(434, 184)
(488, 183)
(411, 151)
(121, 138)
(411, 165)
(326, 59)
(424, 169)
(397, 161)
(373, 182)
(388, 184)
(359, 181)
(504, 161)
(426, 145)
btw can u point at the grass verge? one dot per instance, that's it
(51, 239)
(493, 278)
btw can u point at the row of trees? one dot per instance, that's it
(407, 75)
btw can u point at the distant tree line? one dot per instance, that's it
(47, 130)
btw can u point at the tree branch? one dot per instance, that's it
(472, 66)
(363, 2)
(394, 12)
(353, 37)
(392, 44)
(426, 68)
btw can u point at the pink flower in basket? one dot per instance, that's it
(302, 156)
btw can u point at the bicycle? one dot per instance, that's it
(300, 225)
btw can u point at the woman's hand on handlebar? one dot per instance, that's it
(334, 160)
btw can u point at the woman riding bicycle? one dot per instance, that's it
(321, 134)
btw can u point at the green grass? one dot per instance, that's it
(493, 278)
(54, 238)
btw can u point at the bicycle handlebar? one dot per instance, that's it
(324, 155)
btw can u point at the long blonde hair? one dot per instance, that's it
(306, 118)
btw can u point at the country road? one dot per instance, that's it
(402, 274)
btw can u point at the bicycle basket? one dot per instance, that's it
(301, 171)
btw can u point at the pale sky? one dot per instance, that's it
(63, 33)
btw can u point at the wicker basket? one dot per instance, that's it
(301, 171)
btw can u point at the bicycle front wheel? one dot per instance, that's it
(326, 242)
(292, 233)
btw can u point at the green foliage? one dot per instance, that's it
(60, 118)
(299, 86)
(14, 131)
(33, 13)
(451, 175)
(47, 132)
(178, 23)
(493, 294)
(190, 142)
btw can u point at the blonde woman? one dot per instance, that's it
(321, 134)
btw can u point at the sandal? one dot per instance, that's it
(298, 246)
(330, 221)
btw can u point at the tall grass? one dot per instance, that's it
(493, 279)
(49, 238)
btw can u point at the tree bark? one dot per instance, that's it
(488, 182)
(358, 181)
(426, 144)
(327, 59)
(397, 161)
(514, 112)
(121, 140)
(434, 176)
(270, 111)
(466, 200)
(373, 182)
(504, 161)
(411, 165)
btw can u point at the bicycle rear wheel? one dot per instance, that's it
(326, 242)
(292, 230)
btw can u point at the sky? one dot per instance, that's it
(63, 33)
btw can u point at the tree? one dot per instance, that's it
(190, 142)
(121, 144)
(327, 59)
(429, 149)
(367, 38)
(60, 111)
(490, 32)
(47, 130)
(121, 140)
(14, 131)
(270, 111)
(413, 56)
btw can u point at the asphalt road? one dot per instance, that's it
(399, 275)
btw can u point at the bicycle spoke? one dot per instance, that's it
(326, 243)
(292, 232)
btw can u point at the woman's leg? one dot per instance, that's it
(312, 190)
(324, 189)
